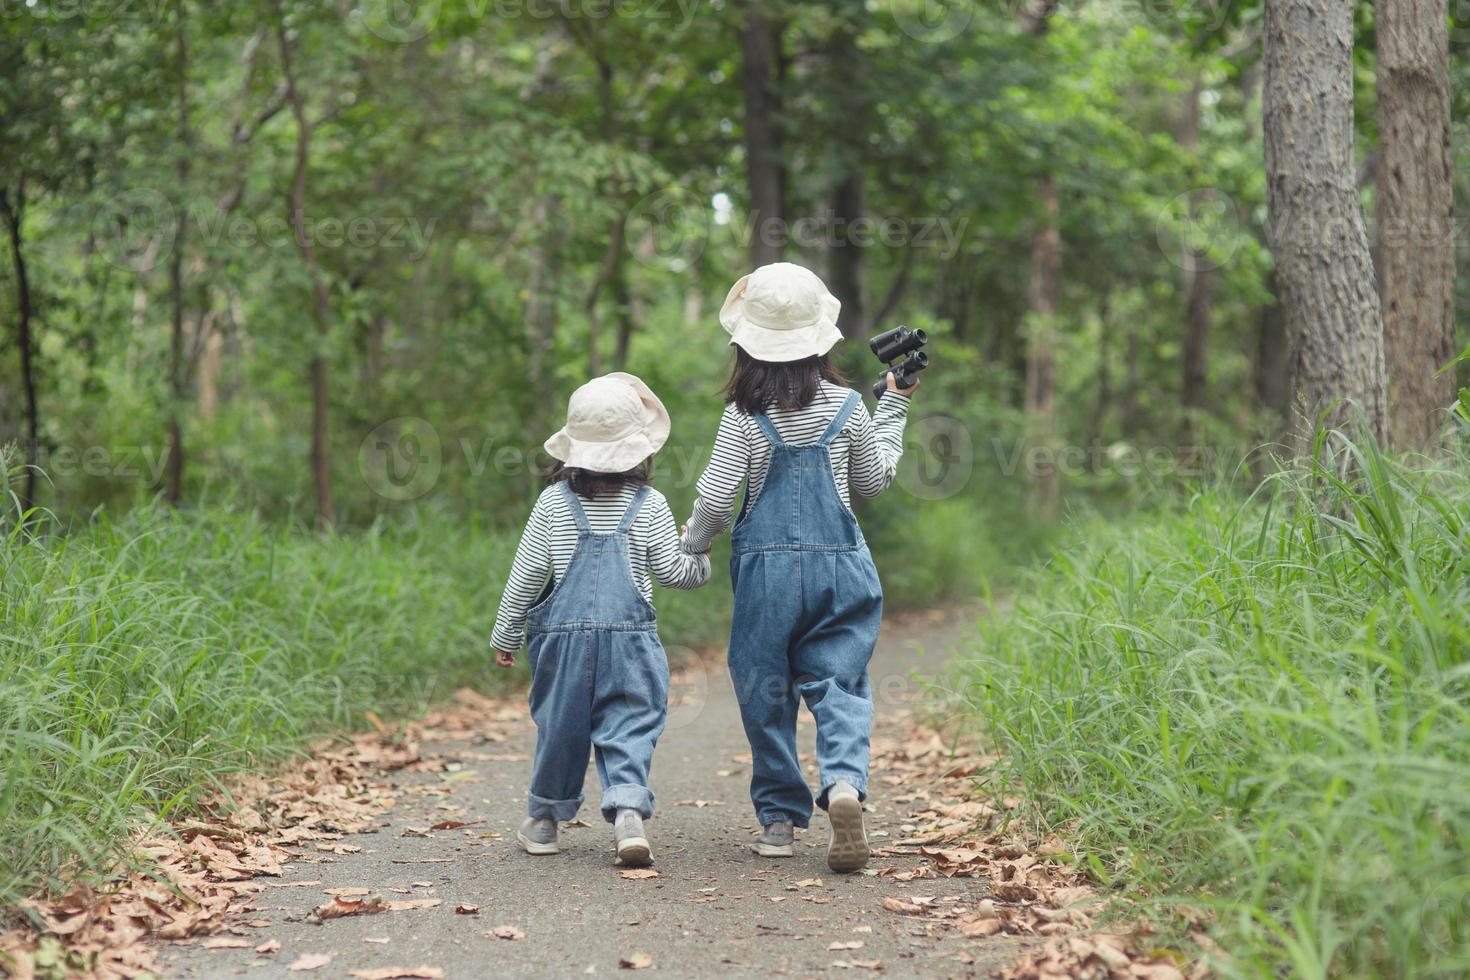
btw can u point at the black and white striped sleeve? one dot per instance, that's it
(720, 483)
(528, 574)
(671, 565)
(877, 444)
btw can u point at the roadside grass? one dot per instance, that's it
(1261, 707)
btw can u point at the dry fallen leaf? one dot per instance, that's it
(637, 874)
(310, 961)
(833, 947)
(269, 946)
(337, 908)
(223, 942)
(809, 883)
(636, 961)
(467, 910)
(410, 904)
(901, 907)
(347, 892)
(394, 972)
(506, 932)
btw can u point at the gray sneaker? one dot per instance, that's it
(777, 840)
(631, 842)
(538, 836)
(848, 849)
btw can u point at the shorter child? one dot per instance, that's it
(599, 676)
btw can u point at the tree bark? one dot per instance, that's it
(1199, 285)
(178, 383)
(1128, 414)
(1273, 362)
(1316, 225)
(759, 59)
(1104, 402)
(12, 208)
(1041, 410)
(1416, 225)
(846, 264)
(321, 464)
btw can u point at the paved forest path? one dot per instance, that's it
(714, 907)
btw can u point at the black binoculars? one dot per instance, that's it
(889, 346)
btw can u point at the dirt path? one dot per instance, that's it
(713, 907)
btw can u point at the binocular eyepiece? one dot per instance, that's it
(890, 346)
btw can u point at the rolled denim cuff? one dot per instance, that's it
(798, 820)
(558, 810)
(626, 796)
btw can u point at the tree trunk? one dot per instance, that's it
(1128, 414)
(1044, 292)
(1041, 410)
(1104, 370)
(1199, 284)
(1273, 362)
(12, 208)
(1316, 225)
(846, 264)
(174, 478)
(321, 304)
(759, 58)
(1416, 217)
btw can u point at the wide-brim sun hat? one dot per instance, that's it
(614, 423)
(781, 312)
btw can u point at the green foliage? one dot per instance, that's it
(1261, 707)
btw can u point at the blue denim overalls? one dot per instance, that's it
(807, 607)
(599, 677)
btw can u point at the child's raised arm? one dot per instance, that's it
(877, 444)
(528, 573)
(720, 483)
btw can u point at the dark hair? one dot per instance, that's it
(590, 483)
(756, 386)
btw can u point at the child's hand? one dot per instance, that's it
(893, 385)
(684, 529)
(505, 658)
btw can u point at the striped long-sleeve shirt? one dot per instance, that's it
(550, 538)
(865, 454)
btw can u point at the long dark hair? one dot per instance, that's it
(758, 386)
(589, 483)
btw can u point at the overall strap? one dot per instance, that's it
(631, 514)
(770, 430)
(575, 505)
(842, 416)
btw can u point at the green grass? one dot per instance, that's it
(1262, 706)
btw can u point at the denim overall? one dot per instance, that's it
(807, 607)
(599, 677)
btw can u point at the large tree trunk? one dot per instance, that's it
(1416, 217)
(321, 297)
(177, 381)
(1273, 362)
(12, 208)
(1104, 403)
(846, 264)
(1316, 223)
(759, 62)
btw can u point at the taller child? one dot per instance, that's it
(807, 597)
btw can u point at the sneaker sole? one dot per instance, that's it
(633, 852)
(531, 847)
(773, 850)
(848, 850)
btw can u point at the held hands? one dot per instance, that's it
(893, 385)
(684, 529)
(505, 658)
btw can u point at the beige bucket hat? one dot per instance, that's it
(781, 312)
(614, 423)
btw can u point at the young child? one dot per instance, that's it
(807, 597)
(599, 676)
